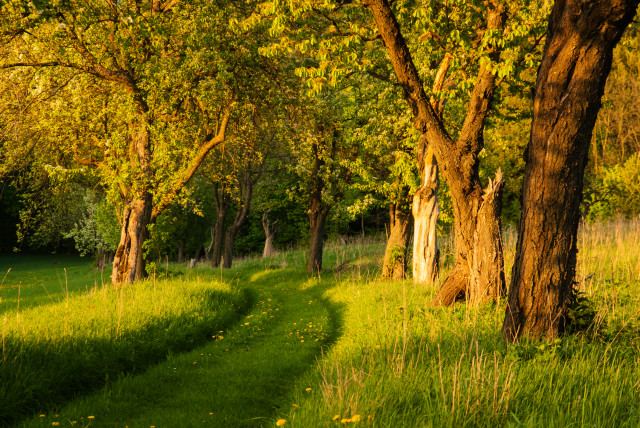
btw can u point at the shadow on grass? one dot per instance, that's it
(239, 379)
(37, 374)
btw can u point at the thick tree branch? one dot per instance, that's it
(471, 134)
(184, 178)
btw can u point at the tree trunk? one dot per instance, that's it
(180, 246)
(128, 263)
(571, 78)
(395, 255)
(425, 210)
(458, 159)
(317, 216)
(317, 213)
(246, 187)
(222, 200)
(270, 231)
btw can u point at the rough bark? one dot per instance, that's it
(425, 210)
(222, 200)
(241, 215)
(458, 159)
(317, 217)
(395, 255)
(270, 231)
(571, 79)
(128, 263)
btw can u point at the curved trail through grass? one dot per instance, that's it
(238, 379)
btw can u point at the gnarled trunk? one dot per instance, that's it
(571, 79)
(458, 159)
(478, 273)
(425, 210)
(128, 263)
(395, 255)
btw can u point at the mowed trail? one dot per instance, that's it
(238, 379)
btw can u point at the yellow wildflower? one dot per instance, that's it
(345, 421)
(55, 424)
(355, 418)
(280, 422)
(91, 417)
(335, 418)
(42, 416)
(308, 389)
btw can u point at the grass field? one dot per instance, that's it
(264, 344)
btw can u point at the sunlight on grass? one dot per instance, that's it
(265, 345)
(88, 339)
(404, 363)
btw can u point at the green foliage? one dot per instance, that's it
(581, 314)
(615, 191)
(88, 231)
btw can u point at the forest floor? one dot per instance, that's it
(266, 344)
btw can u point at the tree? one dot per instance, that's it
(479, 270)
(176, 70)
(571, 79)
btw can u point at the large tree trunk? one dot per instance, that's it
(246, 187)
(395, 256)
(128, 263)
(222, 200)
(571, 79)
(478, 273)
(458, 160)
(425, 210)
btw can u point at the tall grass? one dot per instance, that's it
(340, 346)
(401, 362)
(88, 339)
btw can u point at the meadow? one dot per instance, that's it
(266, 344)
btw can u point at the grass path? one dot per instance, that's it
(238, 379)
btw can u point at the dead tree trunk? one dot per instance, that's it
(571, 78)
(458, 159)
(395, 256)
(425, 210)
(270, 231)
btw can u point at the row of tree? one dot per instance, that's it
(152, 104)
